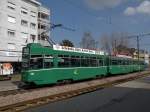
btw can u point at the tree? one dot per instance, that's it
(67, 42)
(88, 42)
(105, 43)
(114, 43)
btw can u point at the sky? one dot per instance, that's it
(100, 17)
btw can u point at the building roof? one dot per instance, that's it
(34, 1)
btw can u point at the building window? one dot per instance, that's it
(24, 10)
(11, 33)
(11, 6)
(11, 46)
(33, 25)
(32, 37)
(24, 23)
(11, 19)
(24, 35)
(33, 14)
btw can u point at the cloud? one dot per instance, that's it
(143, 8)
(130, 11)
(102, 4)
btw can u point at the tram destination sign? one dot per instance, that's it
(79, 50)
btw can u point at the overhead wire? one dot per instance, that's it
(107, 20)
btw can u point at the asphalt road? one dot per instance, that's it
(133, 96)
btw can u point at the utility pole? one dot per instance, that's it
(138, 41)
(138, 47)
(115, 50)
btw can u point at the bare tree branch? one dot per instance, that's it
(116, 42)
(88, 42)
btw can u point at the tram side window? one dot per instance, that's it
(48, 61)
(84, 61)
(124, 62)
(129, 62)
(119, 62)
(25, 65)
(75, 61)
(141, 63)
(36, 62)
(64, 61)
(93, 62)
(136, 62)
(114, 62)
(101, 62)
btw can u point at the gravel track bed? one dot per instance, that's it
(12, 99)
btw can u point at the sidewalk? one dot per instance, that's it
(8, 85)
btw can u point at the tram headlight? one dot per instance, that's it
(31, 73)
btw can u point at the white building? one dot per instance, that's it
(19, 23)
(43, 25)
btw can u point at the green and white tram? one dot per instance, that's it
(43, 65)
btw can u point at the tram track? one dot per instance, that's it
(21, 106)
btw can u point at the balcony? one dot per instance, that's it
(44, 10)
(34, 2)
(41, 31)
(43, 21)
